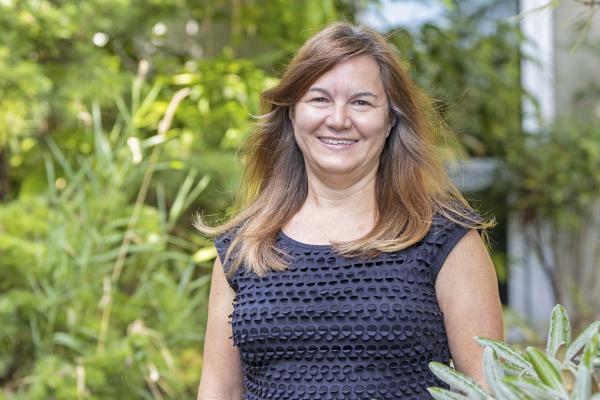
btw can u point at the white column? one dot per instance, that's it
(529, 290)
(537, 66)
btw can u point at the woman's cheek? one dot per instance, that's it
(370, 126)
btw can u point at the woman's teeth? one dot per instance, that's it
(338, 141)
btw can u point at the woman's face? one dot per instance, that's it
(341, 122)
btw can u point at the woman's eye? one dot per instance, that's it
(319, 99)
(361, 103)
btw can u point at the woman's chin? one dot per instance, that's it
(337, 169)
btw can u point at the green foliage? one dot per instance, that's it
(554, 189)
(103, 290)
(470, 66)
(554, 173)
(57, 273)
(565, 370)
(53, 66)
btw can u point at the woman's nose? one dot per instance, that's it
(338, 118)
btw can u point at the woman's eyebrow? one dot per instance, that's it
(326, 92)
(360, 94)
(320, 90)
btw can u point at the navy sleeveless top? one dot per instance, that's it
(331, 327)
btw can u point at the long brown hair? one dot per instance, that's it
(411, 184)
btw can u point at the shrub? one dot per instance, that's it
(564, 370)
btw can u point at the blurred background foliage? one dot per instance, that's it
(103, 283)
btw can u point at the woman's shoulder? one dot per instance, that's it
(446, 231)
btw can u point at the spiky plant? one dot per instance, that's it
(565, 370)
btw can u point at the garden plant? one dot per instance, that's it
(565, 370)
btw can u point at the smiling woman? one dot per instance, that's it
(355, 260)
(342, 121)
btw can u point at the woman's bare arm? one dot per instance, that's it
(467, 291)
(221, 369)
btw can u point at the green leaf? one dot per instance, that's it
(205, 254)
(508, 392)
(494, 375)
(512, 369)
(507, 353)
(590, 351)
(582, 389)
(492, 369)
(101, 145)
(69, 341)
(450, 4)
(530, 388)
(182, 193)
(583, 338)
(514, 390)
(546, 371)
(191, 197)
(458, 381)
(60, 157)
(560, 330)
(443, 394)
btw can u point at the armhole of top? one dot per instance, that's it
(453, 233)
(222, 243)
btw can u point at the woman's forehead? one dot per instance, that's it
(358, 74)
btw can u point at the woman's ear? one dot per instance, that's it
(291, 113)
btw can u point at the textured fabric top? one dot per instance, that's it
(331, 327)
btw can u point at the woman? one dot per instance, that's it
(355, 261)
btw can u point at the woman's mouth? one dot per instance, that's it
(337, 142)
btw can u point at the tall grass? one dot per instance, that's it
(100, 300)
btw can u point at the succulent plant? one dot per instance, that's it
(565, 370)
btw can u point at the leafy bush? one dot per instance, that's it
(565, 370)
(100, 299)
(554, 195)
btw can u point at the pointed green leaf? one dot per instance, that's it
(101, 146)
(197, 191)
(69, 341)
(443, 394)
(529, 388)
(507, 353)
(515, 391)
(184, 190)
(582, 389)
(61, 158)
(583, 338)
(494, 375)
(546, 370)
(590, 351)
(512, 369)
(458, 381)
(560, 330)
(508, 392)
(149, 100)
(492, 369)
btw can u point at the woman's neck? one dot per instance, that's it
(340, 212)
(355, 196)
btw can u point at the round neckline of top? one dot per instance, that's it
(301, 244)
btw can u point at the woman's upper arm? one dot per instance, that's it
(467, 291)
(221, 369)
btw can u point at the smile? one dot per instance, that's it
(338, 142)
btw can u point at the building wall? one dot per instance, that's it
(575, 69)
